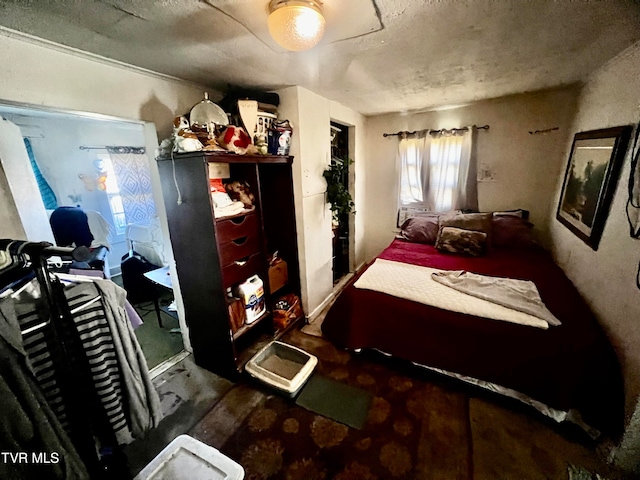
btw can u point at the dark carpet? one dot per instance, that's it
(280, 439)
(418, 426)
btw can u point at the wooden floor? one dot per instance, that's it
(464, 433)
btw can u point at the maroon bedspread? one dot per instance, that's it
(571, 366)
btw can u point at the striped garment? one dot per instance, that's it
(88, 313)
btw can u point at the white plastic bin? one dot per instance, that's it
(189, 459)
(282, 366)
(252, 294)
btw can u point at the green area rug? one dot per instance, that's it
(337, 401)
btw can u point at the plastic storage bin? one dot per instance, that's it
(189, 459)
(282, 366)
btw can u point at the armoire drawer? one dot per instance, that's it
(239, 248)
(241, 269)
(233, 228)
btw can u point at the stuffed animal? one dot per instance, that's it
(185, 139)
(187, 144)
(261, 144)
(180, 123)
(165, 147)
(240, 191)
(236, 140)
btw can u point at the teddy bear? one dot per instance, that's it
(240, 191)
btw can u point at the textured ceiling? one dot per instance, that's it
(378, 56)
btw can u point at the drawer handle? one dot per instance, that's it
(240, 263)
(240, 241)
(238, 220)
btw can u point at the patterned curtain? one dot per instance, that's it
(46, 192)
(134, 181)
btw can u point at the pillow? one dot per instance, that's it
(459, 240)
(479, 222)
(421, 229)
(519, 212)
(511, 231)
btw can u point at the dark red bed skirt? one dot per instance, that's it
(572, 366)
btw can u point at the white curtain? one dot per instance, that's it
(412, 150)
(134, 181)
(438, 170)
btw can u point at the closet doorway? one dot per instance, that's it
(341, 225)
(73, 168)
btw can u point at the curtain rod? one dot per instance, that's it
(83, 147)
(484, 127)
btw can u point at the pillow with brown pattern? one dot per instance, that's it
(479, 222)
(461, 241)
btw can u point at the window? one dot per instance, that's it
(108, 182)
(411, 179)
(444, 163)
(434, 171)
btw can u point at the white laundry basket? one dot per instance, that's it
(186, 458)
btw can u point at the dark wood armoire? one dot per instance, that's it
(214, 255)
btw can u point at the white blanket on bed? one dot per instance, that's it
(413, 282)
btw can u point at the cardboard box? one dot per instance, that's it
(278, 275)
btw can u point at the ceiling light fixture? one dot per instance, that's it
(296, 24)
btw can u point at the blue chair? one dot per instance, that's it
(71, 228)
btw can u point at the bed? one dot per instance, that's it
(570, 368)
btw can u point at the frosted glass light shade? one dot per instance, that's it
(296, 25)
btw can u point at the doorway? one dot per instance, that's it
(341, 225)
(73, 168)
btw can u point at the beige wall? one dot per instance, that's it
(46, 75)
(525, 167)
(53, 76)
(607, 277)
(43, 74)
(311, 115)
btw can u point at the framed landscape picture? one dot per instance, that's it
(590, 181)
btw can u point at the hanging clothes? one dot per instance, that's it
(31, 311)
(117, 366)
(114, 353)
(28, 423)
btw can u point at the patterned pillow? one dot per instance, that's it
(459, 240)
(480, 222)
(421, 229)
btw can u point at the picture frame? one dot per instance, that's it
(590, 181)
